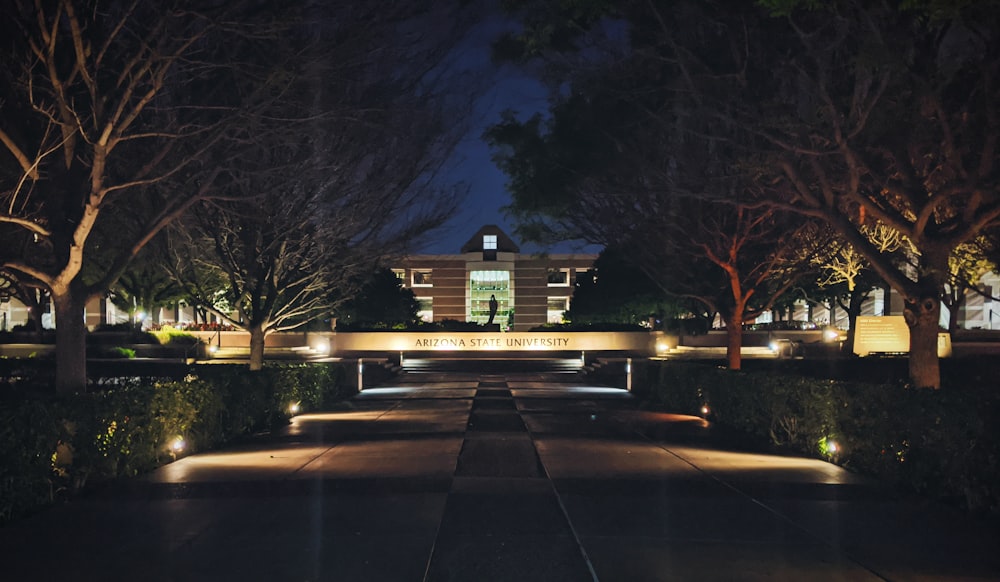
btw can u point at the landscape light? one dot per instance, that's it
(831, 335)
(213, 348)
(828, 447)
(178, 445)
(704, 410)
(294, 408)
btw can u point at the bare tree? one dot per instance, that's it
(100, 102)
(341, 171)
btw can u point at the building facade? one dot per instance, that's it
(529, 290)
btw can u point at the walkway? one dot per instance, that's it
(506, 477)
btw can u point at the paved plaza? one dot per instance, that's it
(506, 476)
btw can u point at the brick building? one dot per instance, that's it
(530, 289)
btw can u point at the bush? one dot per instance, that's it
(943, 444)
(29, 433)
(167, 335)
(120, 352)
(51, 447)
(589, 327)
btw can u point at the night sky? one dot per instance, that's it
(508, 88)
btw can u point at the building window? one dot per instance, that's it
(557, 307)
(425, 309)
(558, 277)
(401, 275)
(422, 278)
(489, 242)
(486, 284)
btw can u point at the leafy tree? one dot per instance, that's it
(616, 291)
(888, 122)
(606, 169)
(145, 287)
(967, 265)
(381, 302)
(849, 112)
(31, 296)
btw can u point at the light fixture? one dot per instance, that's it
(704, 410)
(178, 445)
(294, 408)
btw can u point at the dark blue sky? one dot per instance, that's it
(507, 88)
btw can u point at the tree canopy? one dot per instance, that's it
(851, 113)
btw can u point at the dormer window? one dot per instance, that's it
(489, 242)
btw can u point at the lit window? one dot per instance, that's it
(558, 277)
(557, 307)
(422, 278)
(487, 285)
(489, 242)
(425, 311)
(401, 275)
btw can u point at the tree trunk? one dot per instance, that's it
(954, 310)
(734, 341)
(857, 299)
(71, 344)
(922, 317)
(256, 348)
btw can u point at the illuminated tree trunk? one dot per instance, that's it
(256, 347)
(734, 339)
(71, 343)
(853, 308)
(922, 315)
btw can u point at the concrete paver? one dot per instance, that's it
(497, 477)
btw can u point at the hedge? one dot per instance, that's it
(51, 447)
(943, 444)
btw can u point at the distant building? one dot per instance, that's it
(530, 290)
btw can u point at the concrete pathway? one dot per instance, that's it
(512, 477)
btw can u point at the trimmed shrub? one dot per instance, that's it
(51, 447)
(944, 444)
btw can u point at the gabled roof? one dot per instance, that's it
(504, 243)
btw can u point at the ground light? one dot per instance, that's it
(294, 408)
(829, 447)
(705, 410)
(177, 446)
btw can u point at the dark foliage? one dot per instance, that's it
(53, 446)
(943, 444)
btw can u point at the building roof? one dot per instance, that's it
(504, 243)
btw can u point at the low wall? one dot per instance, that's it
(717, 338)
(640, 343)
(285, 339)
